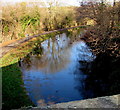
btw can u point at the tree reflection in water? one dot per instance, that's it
(54, 57)
(55, 76)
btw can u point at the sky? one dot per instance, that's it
(65, 2)
(68, 2)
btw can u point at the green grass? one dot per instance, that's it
(13, 92)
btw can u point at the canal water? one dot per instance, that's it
(55, 76)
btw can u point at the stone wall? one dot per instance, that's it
(110, 102)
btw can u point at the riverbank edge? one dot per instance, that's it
(18, 42)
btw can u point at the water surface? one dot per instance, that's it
(55, 76)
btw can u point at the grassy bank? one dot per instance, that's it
(13, 92)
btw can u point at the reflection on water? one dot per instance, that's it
(56, 76)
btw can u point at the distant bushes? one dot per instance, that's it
(24, 18)
(28, 20)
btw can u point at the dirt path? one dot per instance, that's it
(6, 48)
